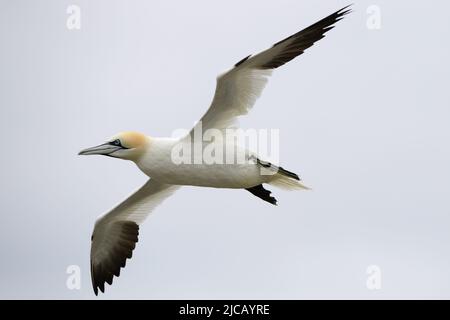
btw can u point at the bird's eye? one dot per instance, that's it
(115, 142)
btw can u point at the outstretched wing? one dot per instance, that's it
(116, 233)
(238, 88)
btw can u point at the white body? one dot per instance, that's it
(158, 165)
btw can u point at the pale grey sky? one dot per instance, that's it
(363, 118)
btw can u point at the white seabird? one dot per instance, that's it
(116, 232)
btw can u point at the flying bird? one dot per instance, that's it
(116, 233)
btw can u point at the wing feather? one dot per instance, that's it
(116, 233)
(238, 89)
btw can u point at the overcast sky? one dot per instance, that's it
(363, 118)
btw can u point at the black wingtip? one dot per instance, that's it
(103, 271)
(338, 15)
(242, 61)
(344, 11)
(297, 43)
(347, 7)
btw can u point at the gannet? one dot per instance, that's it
(116, 233)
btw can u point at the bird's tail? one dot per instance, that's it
(283, 181)
(282, 178)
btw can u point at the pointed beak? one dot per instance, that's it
(103, 149)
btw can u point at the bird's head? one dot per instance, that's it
(125, 145)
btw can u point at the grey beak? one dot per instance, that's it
(103, 149)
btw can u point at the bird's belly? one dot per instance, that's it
(214, 175)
